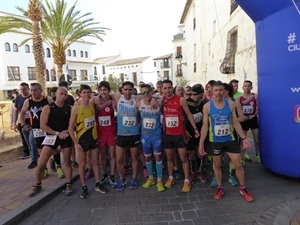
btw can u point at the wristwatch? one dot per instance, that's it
(56, 133)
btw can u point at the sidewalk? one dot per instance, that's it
(277, 201)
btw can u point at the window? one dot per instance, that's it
(233, 5)
(74, 53)
(7, 47)
(214, 27)
(194, 16)
(166, 75)
(27, 49)
(194, 24)
(31, 73)
(13, 73)
(134, 75)
(47, 75)
(178, 50)
(228, 64)
(195, 58)
(72, 73)
(103, 69)
(86, 54)
(154, 64)
(81, 54)
(69, 52)
(48, 53)
(95, 70)
(83, 75)
(53, 75)
(15, 47)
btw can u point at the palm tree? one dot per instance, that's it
(60, 27)
(5, 26)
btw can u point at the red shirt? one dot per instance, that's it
(173, 116)
(248, 105)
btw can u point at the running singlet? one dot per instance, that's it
(196, 110)
(248, 105)
(86, 124)
(127, 117)
(35, 109)
(150, 119)
(220, 129)
(59, 117)
(105, 118)
(173, 116)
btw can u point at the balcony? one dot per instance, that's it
(165, 65)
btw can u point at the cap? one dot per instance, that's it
(150, 84)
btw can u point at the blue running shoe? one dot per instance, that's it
(214, 183)
(121, 184)
(133, 184)
(113, 183)
(233, 181)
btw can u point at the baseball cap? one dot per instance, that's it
(151, 85)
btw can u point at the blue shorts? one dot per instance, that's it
(151, 143)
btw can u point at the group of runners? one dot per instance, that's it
(182, 125)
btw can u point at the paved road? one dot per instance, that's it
(276, 202)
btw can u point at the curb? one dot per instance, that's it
(25, 210)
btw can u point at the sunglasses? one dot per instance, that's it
(188, 94)
(145, 92)
(196, 94)
(127, 89)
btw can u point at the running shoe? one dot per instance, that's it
(100, 188)
(160, 186)
(52, 165)
(247, 157)
(218, 194)
(133, 184)
(25, 155)
(145, 173)
(186, 187)
(60, 173)
(214, 183)
(177, 175)
(68, 191)
(45, 175)
(233, 181)
(192, 178)
(104, 179)
(248, 197)
(84, 194)
(37, 188)
(121, 184)
(149, 183)
(169, 183)
(201, 177)
(74, 164)
(32, 165)
(89, 173)
(258, 158)
(113, 183)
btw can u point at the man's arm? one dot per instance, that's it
(50, 100)
(115, 97)
(189, 116)
(22, 115)
(239, 110)
(204, 129)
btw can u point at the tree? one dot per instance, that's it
(114, 83)
(5, 26)
(61, 27)
(182, 82)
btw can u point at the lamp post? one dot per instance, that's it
(179, 58)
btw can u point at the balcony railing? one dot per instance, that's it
(165, 65)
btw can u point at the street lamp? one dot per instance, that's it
(179, 70)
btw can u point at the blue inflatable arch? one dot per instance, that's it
(277, 24)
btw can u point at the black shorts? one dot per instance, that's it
(250, 124)
(89, 145)
(217, 148)
(38, 141)
(174, 141)
(193, 144)
(63, 143)
(128, 141)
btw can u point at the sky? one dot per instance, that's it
(137, 27)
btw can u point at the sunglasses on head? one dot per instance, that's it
(145, 92)
(127, 89)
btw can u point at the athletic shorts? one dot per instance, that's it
(250, 124)
(107, 139)
(174, 141)
(151, 143)
(63, 143)
(88, 145)
(217, 148)
(193, 143)
(128, 141)
(38, 141)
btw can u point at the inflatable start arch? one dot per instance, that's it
(277, 24)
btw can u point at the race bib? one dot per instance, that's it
(49, 140)
(89, 122)
(197, 117)
(149, 123)
(38, 133)
(129, 121)
(104, 121)
(222, 130)
(172, 122)
(247, 109)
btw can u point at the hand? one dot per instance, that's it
(197, 134)
(78, 147)
(63, 134)
(15, 128)
(201, 151)
(26, 128)
(188, 136)
(153, 103)
(246, 144)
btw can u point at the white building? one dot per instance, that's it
(164, 67)
(134, 70)
(17, 63)
(216, 41)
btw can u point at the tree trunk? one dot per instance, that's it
(39, 55)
